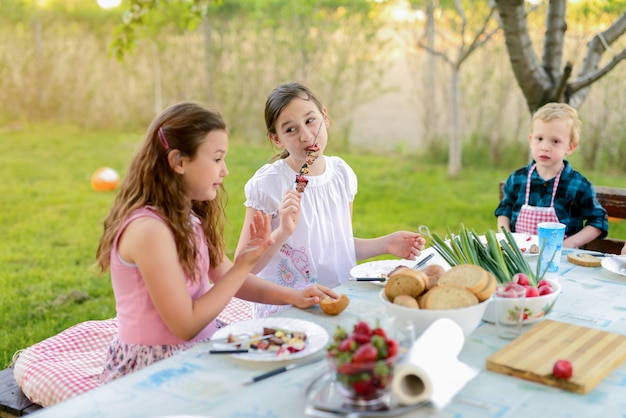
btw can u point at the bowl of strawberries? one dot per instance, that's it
(363, 362)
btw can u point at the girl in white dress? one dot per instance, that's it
(312, 229)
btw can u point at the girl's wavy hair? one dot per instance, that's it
(151, 181)
(278, 100)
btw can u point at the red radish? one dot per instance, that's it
(545, 290)
(512, 286)
(562, 369)
(543, 283)
(521, 278)
(531, 292)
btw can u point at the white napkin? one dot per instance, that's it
(431, 370)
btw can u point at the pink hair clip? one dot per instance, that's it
(163, 139)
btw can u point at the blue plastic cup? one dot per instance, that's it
(551, 236)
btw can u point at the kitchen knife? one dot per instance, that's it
(282, 370)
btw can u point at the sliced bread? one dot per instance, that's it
(486, 292)
(585, 260)
(405, 281)
(449, 297)
(472, 277)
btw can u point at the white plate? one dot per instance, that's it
(380, 268)
(316, 336)
(523, 241)
(616, 264)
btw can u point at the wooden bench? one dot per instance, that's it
(13, 402)
(614, 201)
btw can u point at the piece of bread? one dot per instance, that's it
(486, 292)
(585, 260)
(449, 296)
(474, 278)
(421, 300)
(434, 272)
(405, 281)
(407, 301)
(332, 306)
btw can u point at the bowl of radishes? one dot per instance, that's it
(539, 299)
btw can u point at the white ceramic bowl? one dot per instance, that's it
(467, 318)
(535, 309)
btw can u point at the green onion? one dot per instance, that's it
(503, 259)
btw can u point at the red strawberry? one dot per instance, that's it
(361, 338)
(365, 353)
(364, 387)
(362, 327)
(347, 345)
(392, 348)
(381, 332)
(562, 369)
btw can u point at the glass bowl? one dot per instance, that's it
(363, 385)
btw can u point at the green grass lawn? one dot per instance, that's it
(51, 219)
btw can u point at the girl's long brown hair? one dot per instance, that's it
(152, 182)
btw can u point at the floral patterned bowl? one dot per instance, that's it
(535, 308)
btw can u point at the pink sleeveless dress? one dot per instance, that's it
(143, 338)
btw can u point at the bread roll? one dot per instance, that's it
(585, 260)
(472, 277)
(449, 297)
(332, 306)
(407, 301)
(405, 281)
(434, 272)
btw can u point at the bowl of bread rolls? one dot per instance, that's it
(461, 294)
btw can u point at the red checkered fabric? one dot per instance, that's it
(65, 365)
(236, 310)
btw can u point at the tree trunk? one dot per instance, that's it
(206, 26)
(158, 78)
(430, 79)
(454, 156)
(547, 81)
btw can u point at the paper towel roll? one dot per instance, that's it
(431, 370)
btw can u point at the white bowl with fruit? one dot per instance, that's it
(539, 301)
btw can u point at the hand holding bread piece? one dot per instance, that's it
(332, 306)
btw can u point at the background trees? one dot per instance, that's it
(57, 63)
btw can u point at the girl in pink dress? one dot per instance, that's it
(163, 243)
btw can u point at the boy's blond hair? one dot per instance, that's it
(560, 111)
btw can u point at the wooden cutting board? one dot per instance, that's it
(593, 354)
